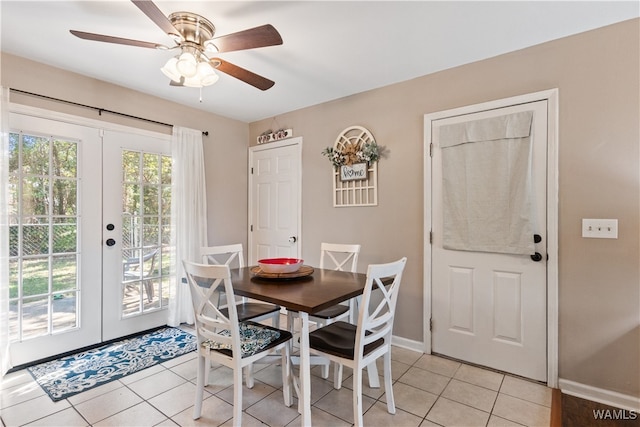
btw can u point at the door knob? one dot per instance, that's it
(293, 239)
(110, 227)
(111, 242)
(537, 238)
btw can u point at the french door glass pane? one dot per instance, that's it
(35, 196)
(64, 273)
(64, 235)
(64, 313)
(64, 196)
(35, 276)
(65, 158)
(35, 155)
(43, 235)
(146, 209)
(35, 317)
(35, 238)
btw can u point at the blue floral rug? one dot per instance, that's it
(69, 375)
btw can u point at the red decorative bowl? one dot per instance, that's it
(280, 265)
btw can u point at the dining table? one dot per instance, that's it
(307, 294)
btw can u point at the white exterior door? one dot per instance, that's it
(55, 210)
(89, 239)
(136, 232)
(274, 200)
(490, 308)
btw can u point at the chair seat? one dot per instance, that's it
(330, 313)
(250, 310)
(339, 339)
(254, 338)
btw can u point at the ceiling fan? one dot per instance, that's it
(194, 36)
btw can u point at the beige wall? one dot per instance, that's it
(225, 148)
(597, 74)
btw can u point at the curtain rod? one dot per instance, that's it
(98, 109)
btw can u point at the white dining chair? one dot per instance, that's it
(224, 339)
(233, 256)
(341, 257)
(358, 346)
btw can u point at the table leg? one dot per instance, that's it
(305, 369)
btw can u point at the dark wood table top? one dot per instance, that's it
(322, 289)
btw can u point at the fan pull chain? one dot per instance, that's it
(201, 95)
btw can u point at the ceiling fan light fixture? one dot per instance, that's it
(192, 82)
(194, 35)
(187, 64)
(206, 74)
(170, 70)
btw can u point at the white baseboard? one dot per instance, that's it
(408, 344)
(607, 397)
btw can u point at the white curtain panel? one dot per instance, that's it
(487, 185)
(188, 216)
(4, 233)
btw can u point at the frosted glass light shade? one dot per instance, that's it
(206, 74)
(192, 82)
(190, 70)
(187, 64)
(170, 70)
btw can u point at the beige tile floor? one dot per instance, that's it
(428, 390)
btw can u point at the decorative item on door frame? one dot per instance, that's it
(269, 136)
(354, 156)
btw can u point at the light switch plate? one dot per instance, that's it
(600, 228)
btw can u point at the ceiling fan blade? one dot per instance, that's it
(263, 36)
(117, 40)
(242, 74)
(159, 18)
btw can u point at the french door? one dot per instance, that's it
(82, 228)
(136, 233)
(55, 264)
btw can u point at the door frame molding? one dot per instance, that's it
(551, 96)
(297, 142)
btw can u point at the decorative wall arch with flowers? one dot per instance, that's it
(354, 156)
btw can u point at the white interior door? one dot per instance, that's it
(274, 200)
(55, 210)
(136, 232)
(488, 308)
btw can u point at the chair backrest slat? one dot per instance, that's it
(223, 255)
(344, 257)
(378, 322)
(229, 255)
(205, 283)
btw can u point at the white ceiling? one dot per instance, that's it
(331, 49)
